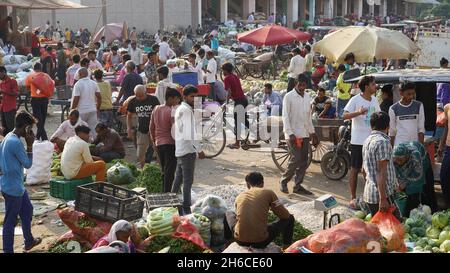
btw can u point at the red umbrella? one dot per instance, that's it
(272, 35)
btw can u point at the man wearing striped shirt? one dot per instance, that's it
(378, 164)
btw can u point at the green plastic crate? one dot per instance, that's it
(66, 189)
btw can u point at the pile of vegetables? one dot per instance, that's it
(300, 232)
(174, 245)
(134, 170)
(363, 216)
(284, 76)
(203, 225)
(84, 222)
(55, 168)
(214, 208)
(161, 221)
(67, 247)
(430, 233)
(120, 174)
(150, 178)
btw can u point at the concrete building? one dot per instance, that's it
(151, 15)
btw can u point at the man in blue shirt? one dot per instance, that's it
(273, 101)
(215, 44)
(13, 158)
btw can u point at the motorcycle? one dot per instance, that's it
(335, 164)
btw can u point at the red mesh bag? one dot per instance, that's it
(71, 218)
(351, 236)
(391, 229)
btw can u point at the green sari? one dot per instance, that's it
(413, 172)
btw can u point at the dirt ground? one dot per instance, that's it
(229, 168)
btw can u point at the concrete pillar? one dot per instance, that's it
(335, 5)
(196, 19)
(292, 12)
(302, 9)
(273, 9)
(358, 7)
(161, 15)
(395, 6)
(249, 7)
(344, 7)
(223, 10)
(312, 11)
(372, 9)
(105, 19)
(384, 8)
(406, 9)
(53, 18)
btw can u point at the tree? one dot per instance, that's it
(442, 10)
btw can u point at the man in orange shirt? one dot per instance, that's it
(42, 87)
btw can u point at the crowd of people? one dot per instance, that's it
(386, 145)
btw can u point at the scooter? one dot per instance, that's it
(335, 164)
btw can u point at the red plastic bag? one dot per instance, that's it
(391, 229)
(188, 231)
(71, 218)
(351, 236)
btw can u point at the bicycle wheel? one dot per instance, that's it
(214, 138)
(323, 148)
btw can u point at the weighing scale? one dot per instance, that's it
(326, 203)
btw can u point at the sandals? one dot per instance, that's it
(36, 242)
(233, 147)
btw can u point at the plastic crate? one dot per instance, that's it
(66, 189)
(154, 201)
(109, 202)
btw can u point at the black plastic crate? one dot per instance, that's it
(109, 202)
(159, 200)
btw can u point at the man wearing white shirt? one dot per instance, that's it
(157, 38)
(187, 146)
(197, 67)
(407, 118)
(299, 130)
(211, 71)
(136, 54)
(86, 99)
(251, 17)
(164, 50)
(296, 67)
(359, 109)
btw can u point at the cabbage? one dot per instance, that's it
(436, 250)
(444, 235)
(447, 228)
(419, 231)
(433, 242)
(409, 222)
(360, 215)
(422, 242)
(143, 231)
(440, 220)
(120, 175)
(426, 209)
(445, 246)
(407, 228)
(433, 233)
(368, 217)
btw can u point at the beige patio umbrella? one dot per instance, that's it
(366, 43)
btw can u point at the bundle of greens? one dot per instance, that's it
(67, 247)
(176, 245)
(134, 170)
(85, 223)
(150, 178)
(300, 232)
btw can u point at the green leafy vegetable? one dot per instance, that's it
(177, 245)
(150, 178)
(86, 223)
(300, 232)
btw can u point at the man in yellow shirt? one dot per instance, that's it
(343, 89)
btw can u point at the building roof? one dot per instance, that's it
(42, 4)
(409, 75)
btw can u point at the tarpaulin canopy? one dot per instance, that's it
(114, 31)
(42, 4)
(434, 2)
(272, 35)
